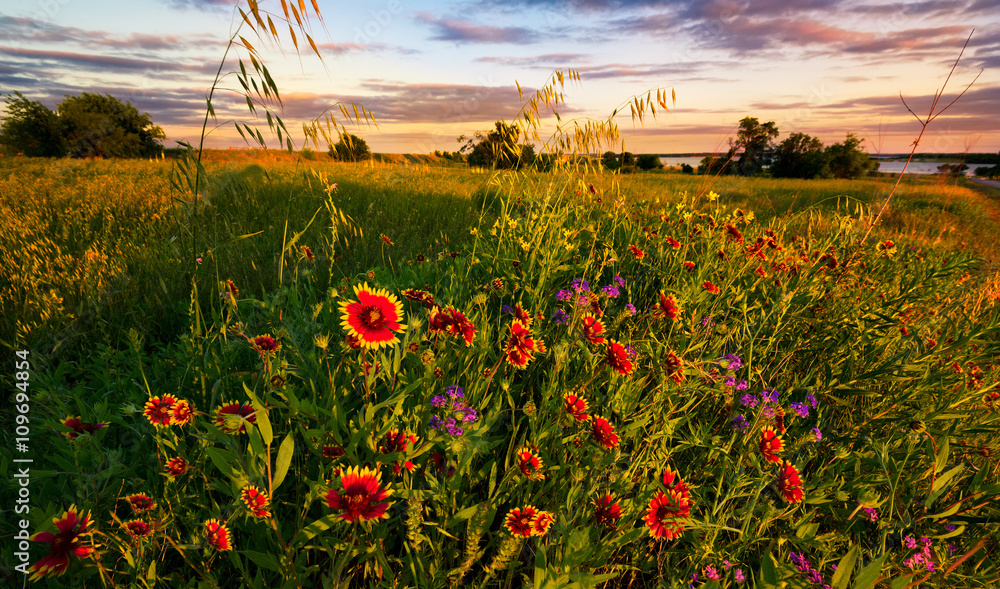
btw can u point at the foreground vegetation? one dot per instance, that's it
(432, 377)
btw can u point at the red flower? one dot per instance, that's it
(603, 432)
(520, 347)
(80, 427)
(576, 407)
(789, 483)
(518, 520)
(541, 522)
(668, 510)
(592, 330)
(182, 413)
(385, 239)
(255, 500)
(638, 253)
(673, 243)
(137, 528)
(607, 512)
(333, 451)
(530, 464)
(67, 541)
(667, 308)
(420, 296)
(733, 233)
(176, 467)
(616, 357)
(675, 367)
(265, 344)
(159, 410)
(218, 535)
(689, 266)
(521, 315)
(396, 441)
(230, 290)
(309, 255)
(373, 318)
(770, 444)
(233, 418)
(361, 497)
(710, 287)
(140, 502)
(452, 322)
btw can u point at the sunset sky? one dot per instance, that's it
(431, 71)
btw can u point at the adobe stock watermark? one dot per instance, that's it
(22, 460)
(381, 19)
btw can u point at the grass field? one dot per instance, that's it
(572, 379)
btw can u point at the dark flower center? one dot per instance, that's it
(372, 317)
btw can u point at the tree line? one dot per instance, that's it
(89, 125)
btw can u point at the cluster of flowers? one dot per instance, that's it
(922, 557)
(451, 411)
(528, 521)
(789, 482)
(712, 574)
(804, 566)
(166, 410)
(601, 430)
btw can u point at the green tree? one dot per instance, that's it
(351, 148)
(499, 148)
(753, 145)
(800, 156)
(102, 126)
(610, 160)
(30, 128)
(848, 160)
(648, 161)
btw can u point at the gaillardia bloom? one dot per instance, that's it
(137, 528)
(374, 318)
(518, 520)
(607, 512)
(592, 330)
(67, 541)
(666, 308)
(638, 253)
(576, 407)
(233, 418)
(176, 467)
(668, 511)
(80, 427)
(361, 497)
(707, 285)
(420, 296)
(182, 413)
(218, 535)
(603, 432)
(452, 322)
(770, 444)
(140, 502)
(790, 483)
(674, 366)
(616, 356)
(520, 347)
(159, 410)
(255, 500)
(530, 464)
(541, 523)
(265, 344)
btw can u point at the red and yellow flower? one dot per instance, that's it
(666, 308)
(218, 535)
(265, 344)
(374, 318)
(603, 432)
(616, 356)
(669, 510)
(518, 520)
(140, 502)
(176, 467)
(770, 444)
(255, 500)
(790, 483)
(576, 407)
(521, 347)
(674, 366)
(452, 322)
(592, 330)
(523, 316)
(530, 464)
(137, 528)
(182, 413)
(420, 296)
(541, 523)
(361, 497)
(80, 427)
(233, 417)
(707, 285)
(69, 540)
(638, 253)
(607, 512)
(159, 410)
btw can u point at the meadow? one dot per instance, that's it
(386, 375)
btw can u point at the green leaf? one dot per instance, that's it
(222, 459)
(263, 423)
(900, 582)
(942, 457)
(844, 569)
(284, 460)
(265, 560)
(321, 525)
(768, 573)
(868, 575)
(941, 485)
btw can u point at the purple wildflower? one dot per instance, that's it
(871, 512)
(630, 308)
(711, 573)
(800, 561)
(950, 527)
(741, 385)
(740, 423)
(811, 399)
(707, 322)
(560, 317)
(767, 412)
(815, 576)
(730, 381)
(619, 280)
(801, 409)
(439, 401)
(738, 575)
(455, 391)
(749, 400)
(770, 395)
(910, 542)
(610, 290)
(735, 362)
(564, 295)
(506, 309)
(818, 434)
(580, 285)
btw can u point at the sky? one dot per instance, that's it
(430, 71)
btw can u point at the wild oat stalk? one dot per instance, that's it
(473, 534)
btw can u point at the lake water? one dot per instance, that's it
(893, 167)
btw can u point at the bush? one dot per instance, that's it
(31, 129)
(648, 161)
(351, 148)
